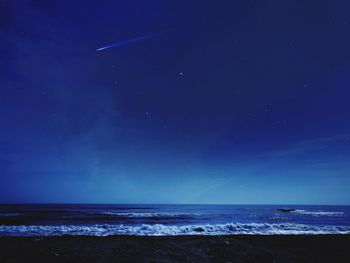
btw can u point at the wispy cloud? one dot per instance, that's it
(309, 145)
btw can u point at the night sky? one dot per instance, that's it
(202, 101)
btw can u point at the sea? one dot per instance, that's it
(171, 220)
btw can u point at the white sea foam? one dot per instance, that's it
(172, 230)
(318, 213)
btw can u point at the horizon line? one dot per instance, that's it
(222, 204)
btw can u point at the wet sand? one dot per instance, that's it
(242, 248)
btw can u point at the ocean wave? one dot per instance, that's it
(172, 230)
(9, 214)
(149, 215)
(318, 213)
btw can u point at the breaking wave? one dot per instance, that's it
(318, 213)
(9, 214)
(172, 230)
(149, 215)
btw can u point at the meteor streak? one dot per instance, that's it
(130, 41)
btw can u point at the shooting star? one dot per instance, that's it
(130, 41)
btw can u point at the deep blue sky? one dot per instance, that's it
(235, 102)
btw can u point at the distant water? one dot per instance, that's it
(160, 220)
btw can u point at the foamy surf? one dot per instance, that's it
(172, 230)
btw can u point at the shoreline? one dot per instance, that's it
(196, 248)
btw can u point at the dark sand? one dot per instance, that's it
(323, 248)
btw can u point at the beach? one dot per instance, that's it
(234, 248)
(174, 233)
